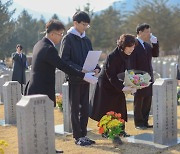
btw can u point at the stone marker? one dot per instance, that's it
(66, 109)
(11, 95)
(3, 78)
(60, 78)
(35, 123)
(165, 111)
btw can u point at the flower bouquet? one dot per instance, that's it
(59, 101)
(137, 79)
(112, 125)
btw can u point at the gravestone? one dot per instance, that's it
(35, 123)
(27, 75)
(173, 70)
(91, 90)
(66, 108)
(165, 111)
(11, 95)
(60, 77)
(3, 78)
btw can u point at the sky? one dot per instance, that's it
(63, 8)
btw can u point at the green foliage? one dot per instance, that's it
(6, 26)
(106, 26)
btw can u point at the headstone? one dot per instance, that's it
(3, 78)
(66, 108)
(27, 75)
(173, 70)
(165, 111)
(91, 90)
(35, 123)
(11, 95)
(60, 77)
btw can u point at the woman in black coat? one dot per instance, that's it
(109, 92)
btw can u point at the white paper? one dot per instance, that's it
(91, 60)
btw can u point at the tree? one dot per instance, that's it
(6, 27)
(26, 31)
(105, 29)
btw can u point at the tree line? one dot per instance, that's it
(105, 29)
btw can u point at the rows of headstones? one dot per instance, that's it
(166, 66)
(34, 115)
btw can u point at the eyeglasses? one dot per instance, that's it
(85, 25)
(60, 34)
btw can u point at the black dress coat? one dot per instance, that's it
(108, 94)
(141, 60)
(19, 67)
(44, 62)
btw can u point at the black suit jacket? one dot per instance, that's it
(141, 60)
(19, 67)
(44, 62)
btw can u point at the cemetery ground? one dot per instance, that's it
(102, 146)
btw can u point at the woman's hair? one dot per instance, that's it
(126, 40)
(54, 24)
(20, 46)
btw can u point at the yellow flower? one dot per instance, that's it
(111, 124)
(2, 145)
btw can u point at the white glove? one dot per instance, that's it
(129, 90)
(153, 38)
(90, 78)
(133, 90)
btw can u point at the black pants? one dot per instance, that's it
(142, 106)
(79, 101)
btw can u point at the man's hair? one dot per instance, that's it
(54, 24)
(20, 46)
(142, 27)
(126, 40)
(81, 16)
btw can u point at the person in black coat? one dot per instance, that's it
(74, 48)
(109, 91)
(141, 60)
(19, 66)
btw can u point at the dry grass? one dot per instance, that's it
(102, 146)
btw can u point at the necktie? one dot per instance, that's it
(145, 47)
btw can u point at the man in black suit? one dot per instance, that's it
(141, 60)
(46, 59)
(19, 66)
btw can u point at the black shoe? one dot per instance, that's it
(89, 140)
(59, 151)
(141, 127)
(124, 134)
(82, 142)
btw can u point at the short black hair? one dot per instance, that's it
(142, 27)
(20, 46)
(81, 16)
(54, 24)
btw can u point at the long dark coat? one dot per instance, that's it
(19, 68)
(44, 62)
(108, 95)
(141, 60)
